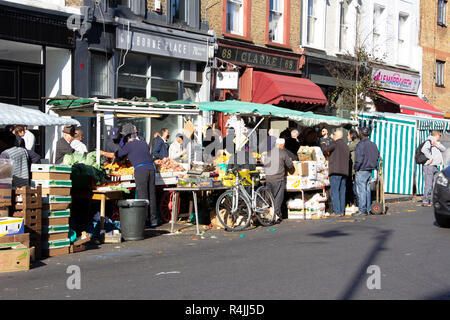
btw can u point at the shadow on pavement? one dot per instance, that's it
(330, 234)
(381, 239)
(445, 295)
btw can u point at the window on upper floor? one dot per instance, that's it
(311, 22)
(179, 10)
(100, 79)
(235, 17)
(276, 21)
(442, 12)
(439, 76)
(377, 25)
(343, 10)
(403, 51)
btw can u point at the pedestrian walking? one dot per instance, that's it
(338, 164)
(432, 149)
(366, 160)
(276, 161)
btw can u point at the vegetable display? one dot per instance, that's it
(168, 165)
(85, 166)
(116, 169)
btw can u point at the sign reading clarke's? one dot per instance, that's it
(165, 46)
(258, 59)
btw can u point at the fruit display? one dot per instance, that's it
(122, 169)
(168, 165)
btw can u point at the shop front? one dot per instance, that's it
(265, 75)
(35, 61)
(131, 59)
(398, 94)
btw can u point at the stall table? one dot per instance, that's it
(194, 191)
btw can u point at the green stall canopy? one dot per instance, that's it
(307, 119)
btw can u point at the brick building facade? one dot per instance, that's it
(435, 41)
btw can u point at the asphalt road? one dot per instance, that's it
(321, 259)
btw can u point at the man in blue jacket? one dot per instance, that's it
(161, 149)
(366, 160)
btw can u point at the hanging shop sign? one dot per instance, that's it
(227, 80)
(258, 59)
(152, 43)
(394, 80)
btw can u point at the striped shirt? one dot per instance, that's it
(19, 156)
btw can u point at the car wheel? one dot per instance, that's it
(442, 221)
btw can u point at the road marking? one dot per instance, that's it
(170, 272)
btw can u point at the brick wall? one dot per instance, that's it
(212, 13)
(435, 42)
(151, 6)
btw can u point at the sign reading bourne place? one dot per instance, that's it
(161, 45)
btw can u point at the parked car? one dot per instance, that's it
(441, 198)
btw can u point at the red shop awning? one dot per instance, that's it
(272, 88)
(412, 105)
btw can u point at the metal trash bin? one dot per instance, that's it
(133, 214)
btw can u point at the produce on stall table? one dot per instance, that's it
(83, 166)
(168, 165)
(119, 169)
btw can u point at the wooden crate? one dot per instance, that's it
(23, 238)
(28, 198)
(74, 248)
(32, 218)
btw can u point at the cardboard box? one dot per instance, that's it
(46, 229)
(309, 169)
(51, 199)
(113, 237)
(50, 176)
(55, 206)
(5, 197)
(14, 257)
(56, 221)
(55, 252)
(23, 238)
(10, 226)
(56, 168)
(4, 212)
(46, 214)
(299, 183)
(55, 236)
(55, 244)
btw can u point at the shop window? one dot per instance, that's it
(99, 71)
(235, 17)
(311, 23)
(343, 10)
(133, 76)
(439, 76)
(193, 72)
(166, 68)
(403, 52)
(442, 13)
(276, 20)
(179, 10)
(377, 26)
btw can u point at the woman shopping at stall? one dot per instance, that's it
(138, 152)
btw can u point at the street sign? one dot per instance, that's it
(227, 80)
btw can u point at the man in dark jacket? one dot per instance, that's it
(366, 160)
(275, 162)
(161, 149)
(63, 145)
(338, 170)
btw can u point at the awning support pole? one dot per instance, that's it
(97, 146)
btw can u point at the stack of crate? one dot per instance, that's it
(28, 205)
(56, 186)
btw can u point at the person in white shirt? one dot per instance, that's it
(77, 143)
(176, 151)
(29, 139)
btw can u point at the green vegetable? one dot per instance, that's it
(91, 158)
(120, 189)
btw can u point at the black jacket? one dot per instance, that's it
(62, 148)
(366, 156)
(339, 157)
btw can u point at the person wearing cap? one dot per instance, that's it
(112, 144)
(338, 170)
(161, 148)
(77, 143)
(366, 160)
(63, 145)
(276, 161)
(138, 152)
(176, 150)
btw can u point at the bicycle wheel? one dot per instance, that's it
(233, 220)
(265, 205)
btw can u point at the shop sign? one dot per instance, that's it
(161, 45)
(258, 59)
(396, 80)
(227, 80)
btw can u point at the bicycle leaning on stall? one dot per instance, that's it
(236, 207)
